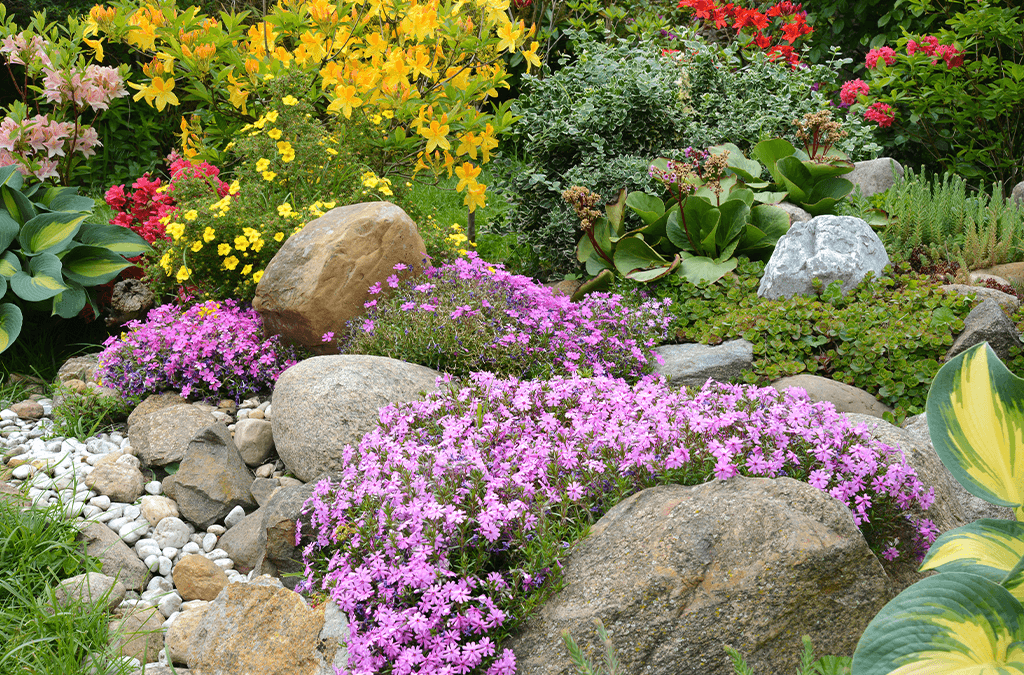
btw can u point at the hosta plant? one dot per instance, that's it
(968, 618)
(50, 257)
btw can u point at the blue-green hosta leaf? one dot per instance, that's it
(976, 420)
(50, 232)
(988, 547)
(648, 207)
(9, 175)
(949, 624)
(10, 324)
(67, 199)
(93, 265)
(17, 204)
(67, 304)
(120, 240)
(701, 268)
(9, 264)
(43, 280)
(9, 229)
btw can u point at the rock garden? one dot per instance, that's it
(529, 337)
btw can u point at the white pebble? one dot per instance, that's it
(90, 512)
(218, 529)
(24, 471)
(132, 511)
(159, 582)
(154, 487)
(132, 531)
(209, 542)
(224, 563)
(190, 548)
(169, 604)
(217, 554)
(169, 552)
(166, 565)
(152, 563)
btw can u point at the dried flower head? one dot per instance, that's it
(583, 202)
(819, 132)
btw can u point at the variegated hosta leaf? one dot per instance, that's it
(9, 229)
(93, 265)
(9, 264)
(9, 176)
(120, 240)
(50, 232)
(976, 420)
(987, 547)
(43, 280)
(10, 324)
(67, 304)
(949, 624)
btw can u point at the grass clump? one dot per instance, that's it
(83, 413)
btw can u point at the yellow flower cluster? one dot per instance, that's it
(457, 239)
(373, 181)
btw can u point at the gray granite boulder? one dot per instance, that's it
(90, 588)
(845, 397)
(676, 571)
(117, 560)
(693, 364)
(1017, 194)
(829, 248)
(987, 323)
(875, 175)
(327, 402)
(212, 478)
(161, 437)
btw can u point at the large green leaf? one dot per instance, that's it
(976, 420)
(67, 304)
(825, 194)
(595, 264)
(770, 151)
(948, 624)
(93, 265)
(795, 177)
(701, 268)
(633, 255)
(120, 240)
(50, 232)
(42, 281)
(9, 229)
(17, 204)
(648, 207)
(748, 170)
(730, 227)
(602, 282)
(584, 248)
(616, 212)
(9, 264)
(700, 218)
(820, 170)
(10, 324)
(988, 547)
(9, 175)
(67, 199)
(725, 186)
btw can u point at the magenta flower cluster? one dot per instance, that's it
(471, 315)
(209, 350)
(442, 520)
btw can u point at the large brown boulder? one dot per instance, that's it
(117, 560)
(675, 572)
(319, 278)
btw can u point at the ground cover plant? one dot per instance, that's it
(469, 315)
(207, 350)
(448, 522)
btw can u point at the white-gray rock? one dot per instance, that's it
(235, 517)
(172, 532)
(875, 175)
(829, 248)
(694, 364)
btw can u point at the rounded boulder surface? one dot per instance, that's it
(846, 398)
(120, 481)
(162, 437)
(90, 588)
(327, 402)
(138, 634)
(180, 634)
(320, 277)
(198, 578)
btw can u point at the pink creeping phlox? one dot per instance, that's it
(472, 315)
(209, 350)
(430, 535)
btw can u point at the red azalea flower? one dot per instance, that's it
(762, 40)
(953, 57)
(881, 113)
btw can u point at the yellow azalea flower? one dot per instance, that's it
(246, 269)
(279, 236)
(274, 133)
(159, 92)
(209, 235)
(286, 150)
(191, 215)
(269, 175)
(345, 100)
(97, 47)
(262, 164)
(475, 196)
(508, 34)
(271, 116)
(231, 263)
(183, 274)
(223, 249)
(197, 246)
(257, 276)
(176, 230)
(289, 100)
(467, 174)
(165, 262)
(532, 60)
(435, 135)
(385, 190)
(241, 243)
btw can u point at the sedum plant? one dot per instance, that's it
(968, 618)
(50, 256)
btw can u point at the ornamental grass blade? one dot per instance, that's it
(948, 624)
(976, 420)
(988, 547)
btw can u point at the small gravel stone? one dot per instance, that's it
(209, 542)
(190, 548)
(154, 487)
(218, 529)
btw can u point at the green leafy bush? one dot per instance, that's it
(886, 336)
(974, 229)
(50, 254)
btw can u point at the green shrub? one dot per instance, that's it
(975, 230)
(887, 336)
